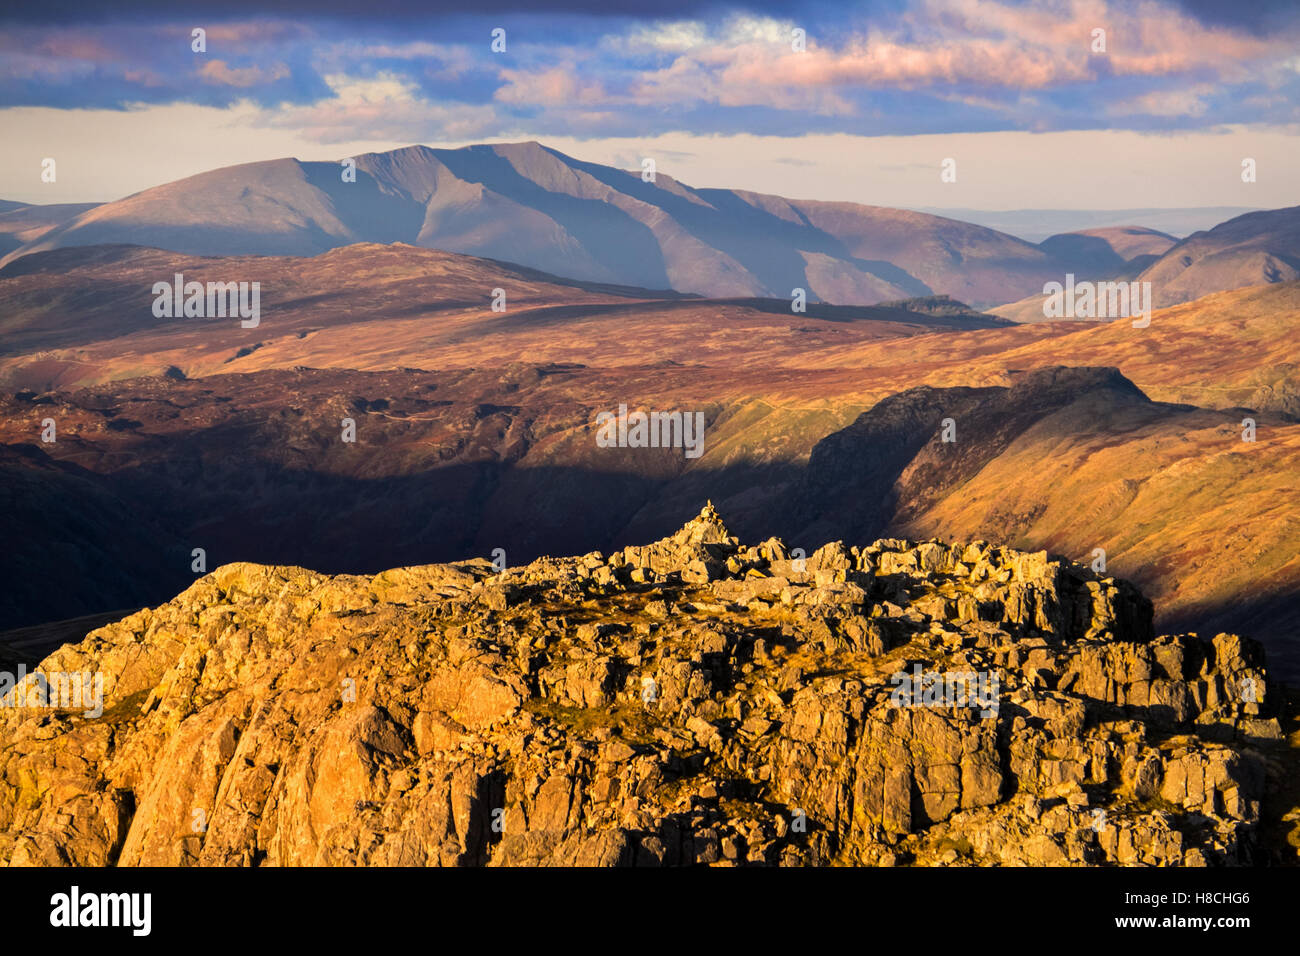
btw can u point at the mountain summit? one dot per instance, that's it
(529, 204)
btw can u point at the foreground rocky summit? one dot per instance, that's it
(691, 701)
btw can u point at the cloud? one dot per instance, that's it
(903, 66)
(890, 65)
(676, 37)
(217, 71)
(247, 34)
(1185, 102)
(977, 43)
(384, 107)
(557, 86)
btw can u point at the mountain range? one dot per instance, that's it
(527, 204)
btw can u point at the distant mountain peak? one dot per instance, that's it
(531, 204)
(528, 203)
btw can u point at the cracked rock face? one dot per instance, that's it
(694, 700)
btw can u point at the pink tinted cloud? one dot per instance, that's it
(237, 36)
(62, 44)
(558, 86)
(221, 74)
(892, 65)
(980, 43)
(381, 108)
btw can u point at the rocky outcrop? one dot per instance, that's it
(695, 700)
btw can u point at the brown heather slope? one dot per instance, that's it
(80, 316)
(690, 701)
(1206, 523)
(1226, 350)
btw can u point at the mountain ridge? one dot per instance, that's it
(532, 205)
(1256, 248)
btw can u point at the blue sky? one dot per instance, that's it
(598, 78)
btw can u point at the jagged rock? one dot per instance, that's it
(692, 701)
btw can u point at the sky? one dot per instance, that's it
(1033, 105)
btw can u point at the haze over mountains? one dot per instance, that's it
(1258, 248)
(1109, 251)
(1035, 225)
